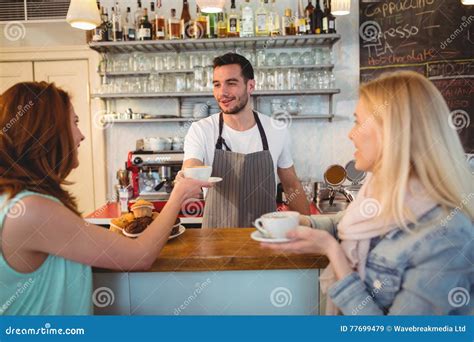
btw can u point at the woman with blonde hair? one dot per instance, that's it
(47, 249)
(405, 245)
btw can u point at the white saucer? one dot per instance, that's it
(214, 179)
(181, 231)
(131, 235)
(257, 236)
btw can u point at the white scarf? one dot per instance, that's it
(360, 224)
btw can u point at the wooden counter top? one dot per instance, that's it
(226, 249)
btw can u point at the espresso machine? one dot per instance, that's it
(153, 172)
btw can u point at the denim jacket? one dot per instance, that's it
(428, 271)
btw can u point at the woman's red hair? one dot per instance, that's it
(37, 149)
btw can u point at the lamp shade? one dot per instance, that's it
(211, 6)
(467, 2)
(83, 14)
(341, 7)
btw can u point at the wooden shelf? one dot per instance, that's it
(183, 45)
(209, 94)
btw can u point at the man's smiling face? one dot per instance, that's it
(231, 90)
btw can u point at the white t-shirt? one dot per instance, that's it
(200, 142)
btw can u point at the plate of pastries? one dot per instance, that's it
(134, 223)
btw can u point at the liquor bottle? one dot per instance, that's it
(247, 21)
(211, 25)
(145, 28)
(129, 26)
(117, 24)
(174, 29)
(186, 27)
(308, 12)
(274, 20)
(261, 20)
(317, 19)
(324, 28)
(101, 30)
(159, 23)
(288, 23)
(110, 33)
(233, 22)
(200, 25)
(138, 15)
(221, 26)
(151, 18)
(301, 23)
(331, 19)
(109, 26)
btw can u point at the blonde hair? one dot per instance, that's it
(417, 141)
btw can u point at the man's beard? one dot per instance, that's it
(241, 105)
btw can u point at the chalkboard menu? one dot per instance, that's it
(432, 37)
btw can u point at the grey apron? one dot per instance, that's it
(248, 187)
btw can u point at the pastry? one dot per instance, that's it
(142, 208)
(137, 226)
(175, 229)
(117, 224)
(115, 228)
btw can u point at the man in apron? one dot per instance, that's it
(246, 149)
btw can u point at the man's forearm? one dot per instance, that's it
(297, 200)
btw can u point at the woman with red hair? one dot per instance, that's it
(47, 249)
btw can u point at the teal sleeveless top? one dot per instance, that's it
(58, 287)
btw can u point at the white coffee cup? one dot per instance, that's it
(277, 224)
(294, 214)
(198, 172)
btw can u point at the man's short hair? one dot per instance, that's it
(235, 58)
